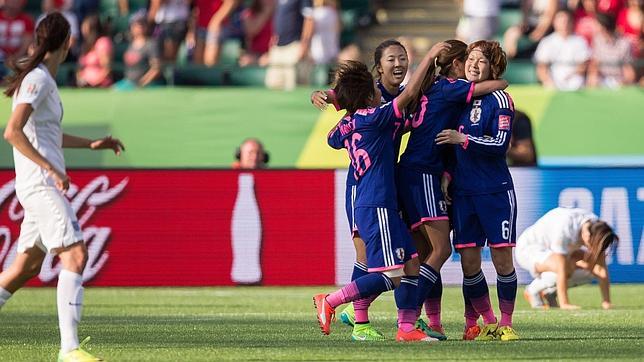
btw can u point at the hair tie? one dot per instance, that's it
(436, 62)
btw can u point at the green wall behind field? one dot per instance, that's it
(201, 127)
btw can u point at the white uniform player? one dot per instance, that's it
(49, 221)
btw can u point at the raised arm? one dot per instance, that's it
(489, 86)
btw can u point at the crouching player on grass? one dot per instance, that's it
(565, 248)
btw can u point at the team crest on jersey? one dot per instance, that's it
(400, 253)
(475, 114)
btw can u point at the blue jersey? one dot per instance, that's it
(480, 162)
(439, 109)
(368, 136)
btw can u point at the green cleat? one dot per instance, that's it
(488, 333)
(348, 315)
(434, 332)
(506, 333)
(78, 355)
(365, 332)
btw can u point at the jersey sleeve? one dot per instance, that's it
(500, 129)
(334, 138)
(33, 89)
(457, 91)
(386, 114)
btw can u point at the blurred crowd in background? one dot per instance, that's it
(139, 43)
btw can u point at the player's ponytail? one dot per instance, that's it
(51, 34)
(601, 237)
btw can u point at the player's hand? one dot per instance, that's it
(445, 180)
(606, 305)
(438, 48)
(108, 143)
(318, 98)
(450, 136)
(61, 180)
(569, 307)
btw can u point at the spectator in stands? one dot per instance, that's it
(522, 151)
(480, 20)
(293, 28)
(95, 61)
(142, 60)
(584, 12)
(171, 20)
(63, 7)
(213, 17)
(562, 57)
(250, 155)
(258, 30)
(611, 63)
(325, 42)
(83, 8)
(630, 22)
(536, 23)
(16, 30)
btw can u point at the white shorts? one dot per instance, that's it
(49, 222)
(527, 254)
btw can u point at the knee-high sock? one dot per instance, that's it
(361, 308)
(475, 287)
(471, 315)
(4, 296)
(545, 281)
(69, 295)
(359, 270)
(433, 303)
(506, 288)
(426, 280)
(406, 302)
(370, 284)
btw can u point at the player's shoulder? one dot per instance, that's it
(501, 99)
(37, 76)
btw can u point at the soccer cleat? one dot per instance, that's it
(534, 300)
(78, 355)
(365, 332)
(415, 335)
(551, 299)
(325, 313)
(348, 315)
(488, 333)
(435, 332)
(506, 333)
(471, 333)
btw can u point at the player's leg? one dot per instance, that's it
(25, 266)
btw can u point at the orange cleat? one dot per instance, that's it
(471, 333)
(325, 313)
(415, 335)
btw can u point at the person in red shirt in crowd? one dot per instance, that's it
(630, 22)
(16, 30)
(212, 16)
(258, 29)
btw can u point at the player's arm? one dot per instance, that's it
(320, 99)
(601, 272)
(334, 138)
(558, 263)
(489, 86)
(70, 141)
(496, 145)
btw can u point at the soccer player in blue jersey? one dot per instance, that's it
(368, 134)
(391, 65)
(421, 168)
(484, 200)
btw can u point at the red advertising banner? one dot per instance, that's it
(193, 227)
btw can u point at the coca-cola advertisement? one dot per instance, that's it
(193, 227)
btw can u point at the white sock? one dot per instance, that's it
(545, 281)
(70, 305)
(4, 296)
(580, 277)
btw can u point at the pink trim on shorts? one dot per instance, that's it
(504, 245)
(470, 93)
(385, 268)
(463, 246)
(423, 220)
(396, 110)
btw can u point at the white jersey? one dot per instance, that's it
(43, 129)
(557, 231)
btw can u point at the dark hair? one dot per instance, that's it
(444, 62)
(96, 31)
(354, 87)
(51, 34)
(494, 53)
(606, 21)
(601, 237)
(377, 54)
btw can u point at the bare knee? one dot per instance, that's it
(412, 267)
(502, 260)
(74, 257)
(470, 261)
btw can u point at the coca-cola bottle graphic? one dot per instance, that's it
(246, 234)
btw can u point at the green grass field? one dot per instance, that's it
(266, 323)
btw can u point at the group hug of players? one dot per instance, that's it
(460, 121)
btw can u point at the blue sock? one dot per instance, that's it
(405, 294)
(437, 291)
(475, 287)
(359, 270)
(373, 283)
(426, 281)
(506, 288)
